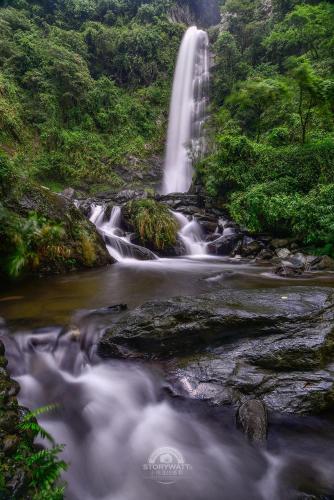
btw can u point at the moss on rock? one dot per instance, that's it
(153, 224)
(43, 232)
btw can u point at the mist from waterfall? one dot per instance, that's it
(185, 140)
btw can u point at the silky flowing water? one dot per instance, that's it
(113, 415)
(186, 138)
(117, 417)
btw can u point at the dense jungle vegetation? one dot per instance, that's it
(84, 85)
(84, 90)
(84, 93)
(272, 140)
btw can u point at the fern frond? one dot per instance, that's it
(39, 411)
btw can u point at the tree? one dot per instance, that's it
(228, 66)
(310, 92)
(254, 102)
(307, 29)
(246, 20)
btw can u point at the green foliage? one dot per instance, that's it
(272, 157)
(26, 242)
(44, 465)
(305, 29)
(83, 85)
(153, 223)
(254, 101)
(240, 163)
(274, 207)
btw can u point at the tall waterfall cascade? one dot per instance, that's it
(186, 140)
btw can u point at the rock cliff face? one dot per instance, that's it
(13, 476)
(203, 13)
(235, 345)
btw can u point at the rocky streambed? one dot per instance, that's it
(233, 345)
(221, 236)
(201, 344)
(222, 331)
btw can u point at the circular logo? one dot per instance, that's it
(166, 465)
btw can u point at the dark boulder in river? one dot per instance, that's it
(235, 344)
(252, 420)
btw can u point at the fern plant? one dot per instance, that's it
(45, 467)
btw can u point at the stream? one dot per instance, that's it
(127, 435)
(113, 415)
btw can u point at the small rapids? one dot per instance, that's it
(118, 242)
(191, 235)
(115, 416)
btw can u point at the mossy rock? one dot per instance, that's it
(153, 224)
(78, 244)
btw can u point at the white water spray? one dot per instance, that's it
(191, 235)
(187, 111)
(117, 242)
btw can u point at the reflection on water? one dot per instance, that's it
(51, 300)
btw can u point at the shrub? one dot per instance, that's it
(153, 223)
(262, 208)
(26, 242)
(240, 163)
(274, 207)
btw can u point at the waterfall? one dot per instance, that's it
(117, 242)
(97, 215)
(187, 111)
(191, 235)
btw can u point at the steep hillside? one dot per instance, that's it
(272, 126)
(84, 87)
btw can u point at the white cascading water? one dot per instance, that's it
(191, 235)
(113, 415)
(118, 245)
(187, 111)
(97, 215)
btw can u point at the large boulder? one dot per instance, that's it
(252, 420)
(224, 245)
(130, 250)
(73, 244)
(153, 225)
(251, 249)
(236, 344)
(324, 263)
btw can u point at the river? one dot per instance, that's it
(113, 415)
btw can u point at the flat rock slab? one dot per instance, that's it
(275, 345)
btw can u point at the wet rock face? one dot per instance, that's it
(132, 250)
(235, 345)
(225, 245)
(252, 420)
(81, 246)
(14, 476)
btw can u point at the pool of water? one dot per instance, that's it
(52, 300)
